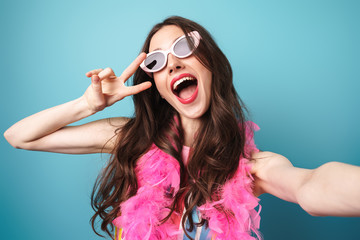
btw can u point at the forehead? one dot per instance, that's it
(165, 37)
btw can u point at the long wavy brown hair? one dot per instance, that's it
(214, 156)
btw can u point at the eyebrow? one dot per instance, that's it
(171, 43)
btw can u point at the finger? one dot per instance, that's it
(106, 73)
(138, 88)
(130, 70)
(92, 72)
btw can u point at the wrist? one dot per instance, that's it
(83, 107)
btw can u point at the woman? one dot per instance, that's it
(188, 153)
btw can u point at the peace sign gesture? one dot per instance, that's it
(106, 88)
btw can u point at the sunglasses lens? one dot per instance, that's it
(155, 61)
(182, 48)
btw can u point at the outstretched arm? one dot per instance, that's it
(48, 130)
(332, 189)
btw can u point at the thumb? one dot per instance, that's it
(95, 83)
(96, 86)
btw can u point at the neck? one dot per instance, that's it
(190, 127)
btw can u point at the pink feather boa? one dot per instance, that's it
(159, 179)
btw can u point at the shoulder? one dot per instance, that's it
(263, 166)
(108, 129)
(264, 160)
(117, 122)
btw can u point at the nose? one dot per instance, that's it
(174, 63)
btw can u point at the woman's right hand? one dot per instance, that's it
(48, 130)
(106, 88)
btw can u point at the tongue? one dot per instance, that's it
(187, 92)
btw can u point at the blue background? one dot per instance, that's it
(296, 65)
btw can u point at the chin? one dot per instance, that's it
(194, 114)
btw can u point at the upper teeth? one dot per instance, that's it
(181, 80)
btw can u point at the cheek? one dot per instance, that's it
(208, 77)
(160, 83)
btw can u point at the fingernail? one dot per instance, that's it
(95, 79)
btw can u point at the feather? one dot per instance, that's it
(158, 177)
(158, 173)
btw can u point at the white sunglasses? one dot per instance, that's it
(156, 60)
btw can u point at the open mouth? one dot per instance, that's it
(185, 88)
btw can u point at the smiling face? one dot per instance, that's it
(184, 82)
